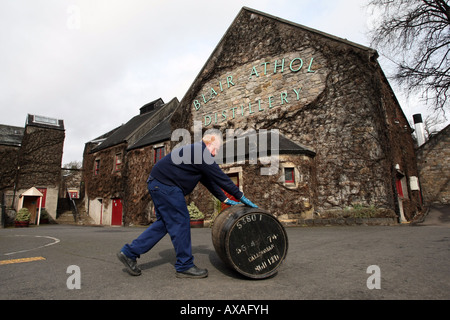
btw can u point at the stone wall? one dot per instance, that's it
(35, 161)
(399, 151)
(40, 157)
(8, 164)
(108, 183)
(39, 163)
(137, 204)
(128, 184)
(261, 88)
(325, 93)
(434, 164)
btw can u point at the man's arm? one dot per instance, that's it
(216, 178)
(214, 189)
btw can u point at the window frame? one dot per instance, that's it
(157, 154)
(96, 167)
(118, 162)
(292, 170)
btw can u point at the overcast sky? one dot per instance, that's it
(94, 63)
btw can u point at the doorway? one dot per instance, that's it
(116, 218)
(31, 203)
(32, 200)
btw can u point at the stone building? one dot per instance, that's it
(433, 160)
(30, 164)
(338, 141)
(322, 92)
(116, 166)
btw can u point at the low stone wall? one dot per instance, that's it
(340, 222)
(332, 222)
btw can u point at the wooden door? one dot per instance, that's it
(31, 203)
(116, 219)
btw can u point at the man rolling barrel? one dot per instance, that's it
(169, 182)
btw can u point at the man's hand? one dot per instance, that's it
(230, 202)
(247, 202)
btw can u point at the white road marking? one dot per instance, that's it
(55, 241)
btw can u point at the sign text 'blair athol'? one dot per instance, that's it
(285, 96)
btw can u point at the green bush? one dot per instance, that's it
(44, 214)
(194, 212)
(360, 211)
(23, 215)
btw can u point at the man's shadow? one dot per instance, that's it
(168, 257)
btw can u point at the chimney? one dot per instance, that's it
(151, 106)
(420, 131)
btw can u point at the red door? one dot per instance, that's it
(235, 178)
(44, 195)
(116, 219)
(398, 184)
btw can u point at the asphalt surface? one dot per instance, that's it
(322, 263)
(438, 215)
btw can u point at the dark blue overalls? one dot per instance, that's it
(168, 184)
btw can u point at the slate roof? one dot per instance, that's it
(11, 136)
(286, 146)
(104, 136)
(124, 131)
(162, 132)
(142, 129)
(436, 137)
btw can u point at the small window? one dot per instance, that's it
(289, 175)
(45, 120)
(118, 162)
(96, 167)
(159, 154)
(73, 194)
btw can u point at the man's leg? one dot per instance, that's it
(141, 245)
(174, 213)
(147, 240)
(175, 216)
(153, 234)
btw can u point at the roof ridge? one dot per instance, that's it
(322, 33)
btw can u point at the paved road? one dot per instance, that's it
(322, 263)
(438, 215)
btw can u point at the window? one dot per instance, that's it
(45, 120)
(118, 162)
(159, 154)
(96, 167)
(289, 175)
(73, 194)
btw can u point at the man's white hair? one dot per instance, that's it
(212, 135)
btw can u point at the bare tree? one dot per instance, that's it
(417, 34)
(71, 167)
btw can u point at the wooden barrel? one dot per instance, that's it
(250, 240)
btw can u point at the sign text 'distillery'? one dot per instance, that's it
(285, 96)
